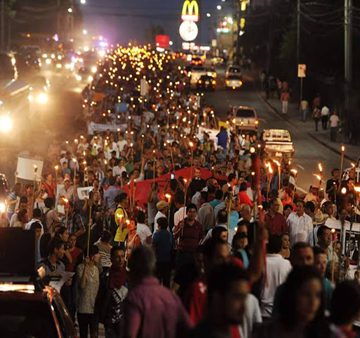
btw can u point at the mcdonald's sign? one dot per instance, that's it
(190, 11)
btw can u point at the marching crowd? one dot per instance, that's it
(172, 232)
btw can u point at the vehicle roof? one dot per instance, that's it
(9, 291)
(284, 131)
(234, 66)
(244, 107)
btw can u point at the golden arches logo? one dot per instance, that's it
(190, 11)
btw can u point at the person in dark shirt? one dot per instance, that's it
(332, 185)
(222, 138)
(188, 234)
(163, 244)
(197, 183)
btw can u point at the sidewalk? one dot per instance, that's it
(352, 152)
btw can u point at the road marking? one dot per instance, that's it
(300, 166)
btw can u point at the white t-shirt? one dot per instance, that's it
(179, 216)
(252, 315)
(325, 111)
(121, 144)
(157, 216)
(143, 231)
(334, 121)
(117, 171)
(299, 227)
(277, 270)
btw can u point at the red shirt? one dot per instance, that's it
(196, 300)
(245, 199)
(188, 236)
(75, 253)
(277, 224)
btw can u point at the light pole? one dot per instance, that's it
(347, 52)
(2, 28)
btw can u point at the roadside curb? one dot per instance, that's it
(330, 147)
(276, 111)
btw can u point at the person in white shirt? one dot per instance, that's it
(300, 224)
(142, 229)
(325, 112)
(277, 270)
(251, 316)
(162, 208)
(334, 124)
(36, 218)
(222, 220)
(319, 220)
(180, 214)
(121, 143)
(119, 168)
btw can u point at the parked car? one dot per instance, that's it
(28, 307)
(27, 312)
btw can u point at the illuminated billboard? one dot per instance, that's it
(190, 14)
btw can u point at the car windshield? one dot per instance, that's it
(234, 77)
(245, 113)
(199, 69)
(23, 318)
(234, 70)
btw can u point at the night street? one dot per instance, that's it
(179, 169)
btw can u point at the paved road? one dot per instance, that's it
(308, 152)
(59, 120)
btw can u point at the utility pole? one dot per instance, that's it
(298, 27)
(347, 52)
(2, 26)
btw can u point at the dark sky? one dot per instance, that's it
(124, 20)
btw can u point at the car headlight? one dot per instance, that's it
(30, 97)
(2, 207)
(58, 66)
(42, 98)
(93, 69)
(78, 77)
(90, 78)
(48, 61)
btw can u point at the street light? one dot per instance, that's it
(6, 124)
(85, 31)
(83, 2)
(70, 10)
(208, 15)
(218, 7)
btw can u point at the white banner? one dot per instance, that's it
(335, 224)
(99, 127)
(84, 192)
(29, 169)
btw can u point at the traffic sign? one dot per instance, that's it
(301, 70)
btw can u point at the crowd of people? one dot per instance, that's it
(172, 232)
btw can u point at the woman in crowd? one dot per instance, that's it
(88, 280)
(301, 314)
